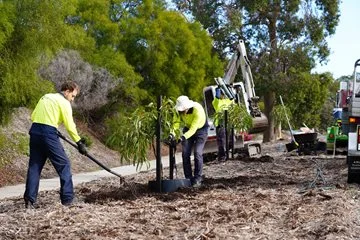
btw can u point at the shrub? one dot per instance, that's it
(10, 147)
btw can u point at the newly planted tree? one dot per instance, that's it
(237, 116)
(133, 136)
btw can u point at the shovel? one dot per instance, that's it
(122, 179)
(91, 157)
(293, 145)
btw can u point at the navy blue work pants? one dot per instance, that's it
(197, 141)
(221, 142)
(43, 146)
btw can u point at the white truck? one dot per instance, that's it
(351, 124)
(243, 92)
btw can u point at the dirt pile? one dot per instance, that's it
(276, 196)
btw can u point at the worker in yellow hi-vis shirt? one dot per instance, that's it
(52, 110)
(195, 131)
(220, 104)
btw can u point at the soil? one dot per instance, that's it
(277, 195)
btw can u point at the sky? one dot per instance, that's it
(345, 43)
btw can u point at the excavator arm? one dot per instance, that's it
(243, 91)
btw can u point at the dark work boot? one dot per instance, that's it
(29, 204)
(196, 183)
(71, 202)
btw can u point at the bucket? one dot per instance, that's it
(305, 137)
(169, 185)
(290, 146)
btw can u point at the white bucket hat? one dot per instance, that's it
(183, 103)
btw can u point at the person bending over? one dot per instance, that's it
(195, 131)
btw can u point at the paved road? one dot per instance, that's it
(54, 183)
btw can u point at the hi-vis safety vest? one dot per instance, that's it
(219, 106)
(54, 109)
(193, 121)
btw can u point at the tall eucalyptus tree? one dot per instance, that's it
(285, 39)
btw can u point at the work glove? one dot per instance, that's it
(169, 140)
(217, 93)
(171, 137)
(182, 139)
(81, 146)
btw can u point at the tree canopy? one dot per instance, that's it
(139, 49)
(284, 39)
(173, 56)
(147, 50)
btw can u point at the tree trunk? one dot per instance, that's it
(278, 132)
(269, 101)
(269, 97)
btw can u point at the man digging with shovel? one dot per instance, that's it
(52, 110)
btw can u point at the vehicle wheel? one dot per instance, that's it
(329, 151)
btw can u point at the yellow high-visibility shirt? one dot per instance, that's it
(193, 121)
(54, 109)
(219, 106)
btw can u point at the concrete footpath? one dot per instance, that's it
(54, 183)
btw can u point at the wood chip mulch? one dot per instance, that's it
(275, 196)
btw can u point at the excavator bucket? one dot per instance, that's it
(260, 124)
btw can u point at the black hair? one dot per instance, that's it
(71, 86)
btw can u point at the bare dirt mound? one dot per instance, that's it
(276, 196)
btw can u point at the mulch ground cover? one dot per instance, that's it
(276, 196)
